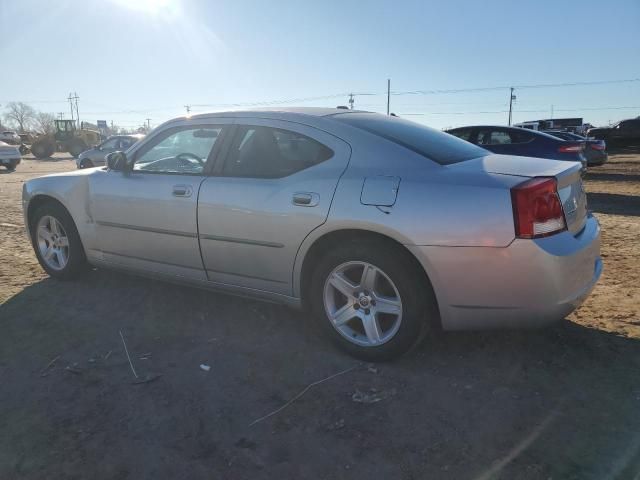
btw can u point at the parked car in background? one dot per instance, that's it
(624, 133)
(385, 228)
(522, 142)
(95, 157)
(595, 151)
(9, 156)
(10, 137)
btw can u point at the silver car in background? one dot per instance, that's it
(10, 156)
(95, 157)
(384, 228)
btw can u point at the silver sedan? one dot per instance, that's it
(383, 228)
(95, 156)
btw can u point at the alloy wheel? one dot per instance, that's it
(53, 242)
(362, 303)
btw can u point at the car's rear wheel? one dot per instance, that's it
(56, 242)
(371, 300)
(43, 149)
(86, 164)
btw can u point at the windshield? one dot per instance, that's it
(438, 146)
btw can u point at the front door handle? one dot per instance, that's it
(182, 190)
(306, 199)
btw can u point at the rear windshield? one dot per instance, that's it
(438, 146)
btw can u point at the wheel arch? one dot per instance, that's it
(323, 242)
(36, 202)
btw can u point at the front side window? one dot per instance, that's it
(126, 142)
(263, 152)
(183, 151)
(110, 144)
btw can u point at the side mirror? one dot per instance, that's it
(117, 161)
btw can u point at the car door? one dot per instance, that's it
(146, 218)
(275, 186)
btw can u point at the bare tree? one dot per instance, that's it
(45, 122)
(20, 114)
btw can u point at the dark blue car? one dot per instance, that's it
(522, 142)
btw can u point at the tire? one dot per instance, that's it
(76, 147)
(43, 149)
(396, 279)
(12, 166)
(86, 164)
(76, 261)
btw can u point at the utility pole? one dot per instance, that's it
(73, 105)
(351, 101)
(75, 96)
(148, 124)
(188, 107)
(60, 115)
(512, 97)
(551, 112)
(388, 94)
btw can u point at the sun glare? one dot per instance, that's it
(151, 7)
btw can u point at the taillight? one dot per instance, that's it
(537, 210)
(571, 148)
(597, 146)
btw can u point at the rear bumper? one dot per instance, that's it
(529, 283)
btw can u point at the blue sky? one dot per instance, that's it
(130, 60)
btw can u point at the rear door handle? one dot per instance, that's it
(306, 199)
(182, 190)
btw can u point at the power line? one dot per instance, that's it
(387, 93)
(520, 111)
(503, 87)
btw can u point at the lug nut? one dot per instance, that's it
(356, 306)
(367, 311)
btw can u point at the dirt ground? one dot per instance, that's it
(560, 403)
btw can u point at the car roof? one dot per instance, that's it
(311, 111)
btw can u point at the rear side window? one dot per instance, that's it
(263, 152)
(438, 146)
(463, 133)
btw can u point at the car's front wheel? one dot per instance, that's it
(56, 242)
(86, 163)
(371, 299)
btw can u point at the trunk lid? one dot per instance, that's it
(567, 174)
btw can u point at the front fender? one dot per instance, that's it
(71, 190)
